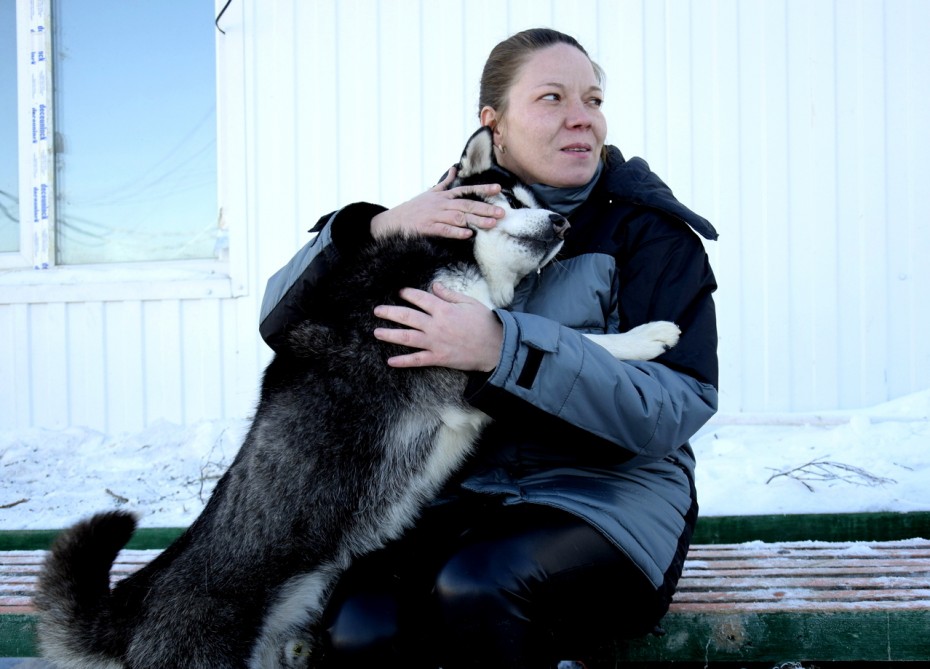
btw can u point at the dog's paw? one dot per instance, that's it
(655, 338)
(662, 334)
(297, 653)
(641, 343)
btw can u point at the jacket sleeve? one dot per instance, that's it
(645, 407)
(557, 377)
(339, 233)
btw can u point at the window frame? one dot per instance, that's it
(30, 275)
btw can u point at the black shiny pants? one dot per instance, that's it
(508, 587)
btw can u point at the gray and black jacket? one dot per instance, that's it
(574, 428)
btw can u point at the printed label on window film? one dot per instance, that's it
(43, 201)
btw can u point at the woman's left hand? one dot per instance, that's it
(449, 329)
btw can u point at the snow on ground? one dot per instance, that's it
(876, 459)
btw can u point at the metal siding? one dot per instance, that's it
(123, 366)
(907, 108)
(797, 127)
(48, 368)
(201, 342)
(724, 203)
(164, 363)
(87, 352)
(398, 66)
(14, 360)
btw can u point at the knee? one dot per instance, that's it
(471, 581)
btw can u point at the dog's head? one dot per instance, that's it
(527, 238)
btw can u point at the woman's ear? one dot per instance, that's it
(489, 118)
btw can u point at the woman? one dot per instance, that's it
(569, 526)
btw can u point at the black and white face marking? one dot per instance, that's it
(524, 240)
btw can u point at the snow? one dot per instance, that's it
(874, 459)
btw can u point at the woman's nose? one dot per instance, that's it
(579, 115)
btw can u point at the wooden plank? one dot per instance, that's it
(875, 580)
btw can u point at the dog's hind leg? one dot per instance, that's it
(286, 640)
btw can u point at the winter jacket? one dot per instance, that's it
(574, 428)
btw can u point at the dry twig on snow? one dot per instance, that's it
(828, 470)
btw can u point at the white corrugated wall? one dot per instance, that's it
(799, 127)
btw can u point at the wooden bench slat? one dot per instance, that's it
(863, 547)
(836, 573)
(18, 602)
(800, 606)
(792, 582)
(777, 595)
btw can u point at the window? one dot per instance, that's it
(134, 128)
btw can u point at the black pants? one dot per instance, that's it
(509, 587)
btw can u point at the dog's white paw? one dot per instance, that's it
(644, 342)
(297, 654)
(656, 337)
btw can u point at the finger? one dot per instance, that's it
(400, 336)
(447, 180)
(410, 318)
(443, 292)
(476, 212)
(454, 231)
(481, 190)
(483, 214)
(416, 359)
(425, 301)
(479, 208)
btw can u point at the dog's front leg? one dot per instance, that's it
(643, 342)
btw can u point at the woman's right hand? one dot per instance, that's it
(441, 212)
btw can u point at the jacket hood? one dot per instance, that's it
(632, 180)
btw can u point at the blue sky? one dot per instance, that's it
(8, 158)
(135, 122)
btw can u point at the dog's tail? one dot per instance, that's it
(76, 627)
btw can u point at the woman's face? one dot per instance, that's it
(553, 129)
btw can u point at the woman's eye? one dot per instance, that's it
(555, 97)
(596, 102)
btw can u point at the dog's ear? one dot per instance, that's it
(478, 155)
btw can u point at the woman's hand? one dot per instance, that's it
(449, 329)
(441, 212)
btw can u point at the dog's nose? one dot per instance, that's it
(560, 225)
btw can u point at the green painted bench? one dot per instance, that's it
(756, 589)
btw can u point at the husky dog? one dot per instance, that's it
(342, 454)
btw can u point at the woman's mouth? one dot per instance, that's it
(577, 148)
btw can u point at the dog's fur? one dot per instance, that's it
(343, 452)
